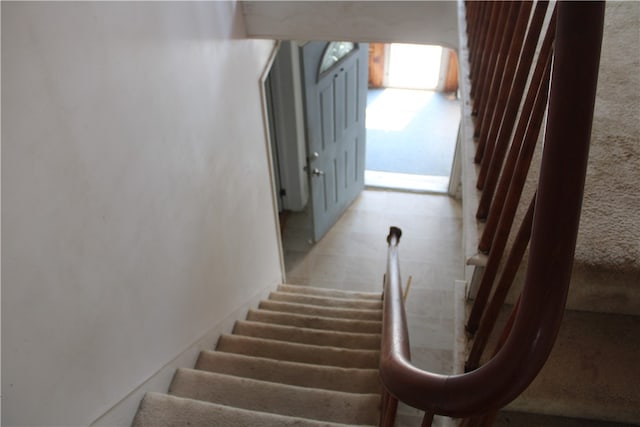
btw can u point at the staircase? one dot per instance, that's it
(305, 357)
(590, 377)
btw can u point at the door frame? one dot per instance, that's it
(264, 102)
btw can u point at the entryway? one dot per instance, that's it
(413, 115)
(411, 133)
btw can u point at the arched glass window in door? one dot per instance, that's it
(334, 52)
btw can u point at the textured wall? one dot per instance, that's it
(137, 207)
(610, 225)
(607, 260)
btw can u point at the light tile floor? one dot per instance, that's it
(352, 255)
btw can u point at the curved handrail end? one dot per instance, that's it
(394, 232)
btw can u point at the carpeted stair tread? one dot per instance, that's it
(162, 410)
(332, 293)
(350, 380)
(366, 304)
(307, 336)
(513, 419)
(305, 357)
(592, 371)
(263, 396)
(315, 322)
(313, 310)
(302, 353)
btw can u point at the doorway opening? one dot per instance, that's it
(311, 107)
(413, 115)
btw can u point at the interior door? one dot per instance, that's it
(335, 91)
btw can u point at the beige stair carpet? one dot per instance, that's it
(352, 380)
(161, 410)
(326, 301)
(302, 353)
(315, 322)
(305, 357)
(592, 372)
(265, 396)
(313, 310)
(330, 293)
(511, 419)
(308, 336)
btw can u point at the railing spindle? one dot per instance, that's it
(490, 67)
(487, 43)
(427, 420)
(500, 94)
(390, 411)
(512, 264)
(492, 166)
(511, 206)
(476, 29)
(501, 73)
(480, 48)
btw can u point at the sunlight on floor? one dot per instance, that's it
(411, 132)
(411, 123)
(394, 109)
(406, 182)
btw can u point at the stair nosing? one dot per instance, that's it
(273, 416)
(287, 362)
(296, 334)
(321, 291)
(182, 385)
(318, 317)
(300, 353)
(338, 300)
(278, 385)
(346, 309)
(311, 346)
(311, 330)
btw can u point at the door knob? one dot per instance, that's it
(317, 172)
(315, 155)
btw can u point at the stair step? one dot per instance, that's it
(302, 353)
(315, 322)
(313, 310)
(161, 410)
(592, 371)
(366, 304)
(332, 293)
(263, 396)
(510, 419)
(307, 336)
(350, 380)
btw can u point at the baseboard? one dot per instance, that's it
(459, 320)
(122, 413)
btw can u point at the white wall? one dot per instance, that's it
(137, 205)
(427, 22)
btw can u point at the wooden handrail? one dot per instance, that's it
(554, 231)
